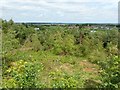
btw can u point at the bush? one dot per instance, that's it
(9, 42)
(62, 80)
(111, 74)
(33, 42)
(22, 74)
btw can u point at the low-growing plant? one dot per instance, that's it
(62, 80)
(23, 74)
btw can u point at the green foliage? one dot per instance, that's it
(9, 41)
(23, 74)
(62, 80)
(33, 42)
(111, 74)
(52, 56)
(22, 32)
(6, 26)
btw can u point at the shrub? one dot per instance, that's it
(33, 42)
(62, 80)
(111, 74)
(23, 74)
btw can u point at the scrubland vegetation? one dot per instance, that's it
(57, 56)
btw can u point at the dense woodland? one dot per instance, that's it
(58, 56)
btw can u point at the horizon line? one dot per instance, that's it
(66, 22)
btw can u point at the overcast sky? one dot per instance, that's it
(66, 11)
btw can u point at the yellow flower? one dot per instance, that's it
(25, 62)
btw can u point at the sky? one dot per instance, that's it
(64, 11)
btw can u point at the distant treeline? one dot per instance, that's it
(67, 24)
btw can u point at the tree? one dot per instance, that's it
(10, 22)
(32, 42)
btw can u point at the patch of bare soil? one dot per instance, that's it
(67, 68)
(89, 67)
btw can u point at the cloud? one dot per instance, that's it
(61, 10)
